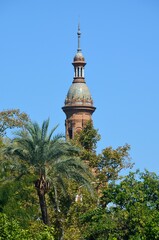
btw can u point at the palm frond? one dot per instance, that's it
(51, 133)
(44, 130)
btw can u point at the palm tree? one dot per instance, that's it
(51, 157)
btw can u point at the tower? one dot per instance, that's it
(78, 103)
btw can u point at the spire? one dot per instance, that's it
(79, 35)
(79, 62)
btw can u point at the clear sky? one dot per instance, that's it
(120, 42)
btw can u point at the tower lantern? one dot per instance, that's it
(78, 103)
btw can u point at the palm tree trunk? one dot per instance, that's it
(42, 188)
(43, 206)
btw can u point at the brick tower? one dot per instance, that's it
(78, 103)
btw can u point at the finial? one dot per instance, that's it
(79, 35)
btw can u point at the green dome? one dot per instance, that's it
(79, 94)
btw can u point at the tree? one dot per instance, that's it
(107, 165)
(10, 119)
(18, 199)
(87, 140)
(11, 230)
(51, 158)
(88, 137)
(129, 210)
(112, 162)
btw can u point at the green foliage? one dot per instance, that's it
(111, 163)
(52, 162)
(107, 165)
(128, 210)
(10, 230)
(88, 137)
(87, 140)
(73, 228)
(12, 118)
(18, 198)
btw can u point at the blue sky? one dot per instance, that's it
(120, 42)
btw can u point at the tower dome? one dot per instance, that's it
(79, 57)
(78, 103)
(78, 94)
